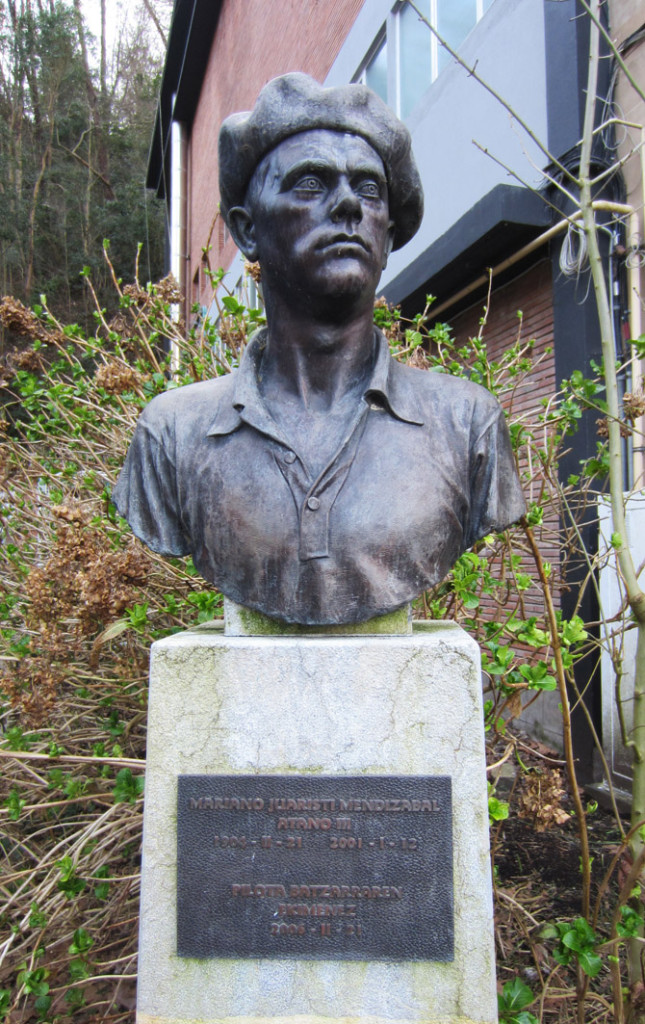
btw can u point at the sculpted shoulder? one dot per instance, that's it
(190, 406)
(433, 390)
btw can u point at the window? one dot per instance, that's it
(416, 55)
(374, 70)
(406, 56)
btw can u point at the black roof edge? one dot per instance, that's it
(500, 223)
(189, 44)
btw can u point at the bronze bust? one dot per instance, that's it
(321, 482)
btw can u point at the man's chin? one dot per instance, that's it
(344, 279)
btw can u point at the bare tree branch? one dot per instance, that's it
(155, 20)
(109, 191)
(615, 52)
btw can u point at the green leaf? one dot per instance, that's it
(573, 631)
(579, 936)
(128, 787)
(36, 918)
(537, 676)
(15, 804)
(232, 306)
(81, 943)
(102, 889)
(34, 980)
(497, 809)
(15, 739)
(515, 996)
(68, 882)
(42, 1005)
(535, 515)
(578, 939)
(639, 345)
(631, 923)
(5, 1002)
(78, 970)
(590, 963)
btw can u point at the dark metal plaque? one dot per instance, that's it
(315, 868)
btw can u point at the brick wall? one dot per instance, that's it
(531, 294)
(255, 41)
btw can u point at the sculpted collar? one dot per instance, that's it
(384, 389)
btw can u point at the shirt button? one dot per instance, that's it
(313, 503)
(289, 457)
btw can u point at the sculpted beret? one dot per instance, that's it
(296, 103)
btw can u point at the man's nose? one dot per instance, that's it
(346, 204)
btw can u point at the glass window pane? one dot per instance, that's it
(415, 56)
(455, 19)
(376, 72)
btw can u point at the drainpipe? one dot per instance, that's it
(177, 221)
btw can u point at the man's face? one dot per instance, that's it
(319, 217)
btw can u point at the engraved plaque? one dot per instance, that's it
(315, 867)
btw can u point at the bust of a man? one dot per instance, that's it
(321, 482)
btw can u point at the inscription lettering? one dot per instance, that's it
(226, 803)
(317, 910)
(368, 892)
(280, 805)
(391, 805)
(304, 823)
(314, 867)
(274, 891)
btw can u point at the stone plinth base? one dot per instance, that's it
(317, 705)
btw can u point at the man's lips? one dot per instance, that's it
(344, 241)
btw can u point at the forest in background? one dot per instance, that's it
(78, 90)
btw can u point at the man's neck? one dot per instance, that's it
(316, 362)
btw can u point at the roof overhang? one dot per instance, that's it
(189, 44)
(498, 225)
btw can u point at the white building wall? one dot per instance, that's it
(619, 633)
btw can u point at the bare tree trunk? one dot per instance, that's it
(27, 64)
(98, 115)
(149, 6)
(635, 595)
(44, 163)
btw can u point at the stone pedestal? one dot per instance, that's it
(317, 705)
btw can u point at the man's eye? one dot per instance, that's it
(370, 190)
(308, 184)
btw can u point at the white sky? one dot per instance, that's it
(118, 14)
(92, 12)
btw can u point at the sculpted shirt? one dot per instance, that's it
(424, 471)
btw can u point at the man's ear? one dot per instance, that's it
(388, 244)
(242, 229)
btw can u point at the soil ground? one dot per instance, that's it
(536, 865)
